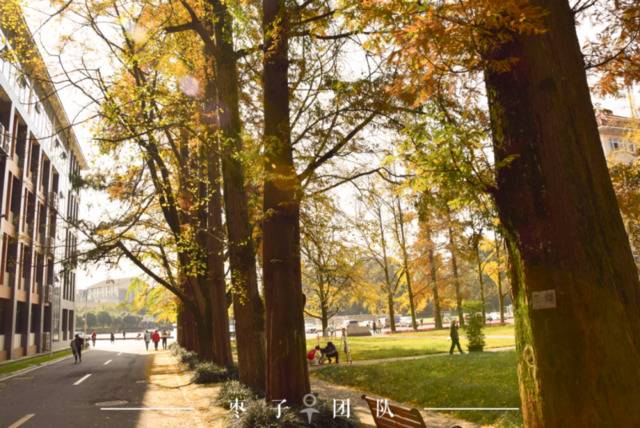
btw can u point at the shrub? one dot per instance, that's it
(176, 349)
(474, 325)
(190, 358)
(234, 390)
(208, 372)
(259, 414)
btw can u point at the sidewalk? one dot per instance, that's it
(189, 405)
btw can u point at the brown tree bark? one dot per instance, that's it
(287, 371)
(476, 246)
(215, 264)
(248, 308)
(405, 262)
(499, 267)
(578, 357)
(453, 250)
(387, 275)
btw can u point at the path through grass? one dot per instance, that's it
(413, 343)
(485, 379)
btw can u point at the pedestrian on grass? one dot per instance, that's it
(165, 335)
(113, 337)
(455, 338)
(375, 327)
(156, 339)
(93, 338)
(345, 346)
(147, 339)
(76, 348)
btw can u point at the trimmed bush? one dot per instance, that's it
(258, 414)
(208, 372)
(473, 327)
(175, 349)
(234, 390)
(189, 358)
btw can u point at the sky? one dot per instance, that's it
(92, 206)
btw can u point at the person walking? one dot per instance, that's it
(156, 339)
(455, 338)
(165, 335)
(375, 327)
(124, 334)
(345, 346)
(76, 348)
(147, 339)
(113, 337)
(93, 338)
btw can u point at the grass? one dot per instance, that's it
(414, 343)
(28, 362)
(485, 379)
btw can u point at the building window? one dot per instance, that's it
(614, 143)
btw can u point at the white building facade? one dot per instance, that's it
(40, 158)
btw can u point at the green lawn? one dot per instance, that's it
(485, 379)
(411, 344)
(23, 364)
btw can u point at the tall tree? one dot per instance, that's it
(287, 371)
(565, 234)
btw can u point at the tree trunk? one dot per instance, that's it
(433, 270)
(324, 318)
(578, 345)
(387, 275)
(405, 260)
(392, 312)
(287, 371)
(481, 280)
(215, 266)
(456, 275)
(500, 293)
(248, 308)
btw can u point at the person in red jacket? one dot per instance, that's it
(155, 337)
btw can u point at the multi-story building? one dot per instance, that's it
(110, 291)
(617, 135)
(39, 160)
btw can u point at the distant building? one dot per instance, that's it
(39, 158)
(617, 139)
(110, 291)
(615, 136)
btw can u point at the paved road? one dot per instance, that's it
(68, 395)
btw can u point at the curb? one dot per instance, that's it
(35, 367)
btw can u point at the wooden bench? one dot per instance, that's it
(403, 417)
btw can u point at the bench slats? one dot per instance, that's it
(404, 417)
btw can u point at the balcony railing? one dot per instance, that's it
(50, 244)
(53, 199)
(5, 141)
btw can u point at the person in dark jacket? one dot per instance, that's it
(330, 351)
(76, 347)
(455, 338)
(113, 337)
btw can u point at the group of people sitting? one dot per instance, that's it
(319, 355)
